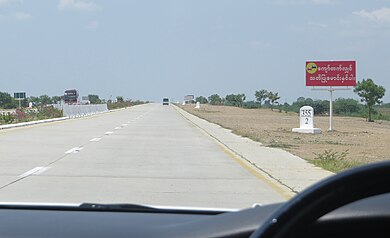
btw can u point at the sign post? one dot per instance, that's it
(330, 108)
(20, 96)
(340, 74)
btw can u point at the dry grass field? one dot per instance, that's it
(353, 141)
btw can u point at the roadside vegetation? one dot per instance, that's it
(121, 103)
(41, 107)
(354, 142)
(334, 161)
(29, 114)
(11, 113)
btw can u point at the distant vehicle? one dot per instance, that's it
(85, 100)
(165, 101)
(71, 96)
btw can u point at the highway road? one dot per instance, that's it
(147, 154)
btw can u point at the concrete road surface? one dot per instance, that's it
(147, 154)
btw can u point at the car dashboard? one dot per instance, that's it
(366, 218)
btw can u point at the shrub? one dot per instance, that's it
(7, 118)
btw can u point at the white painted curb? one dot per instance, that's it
(8, 126)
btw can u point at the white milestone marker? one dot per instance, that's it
(306, 121)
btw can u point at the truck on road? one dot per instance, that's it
(71, 96)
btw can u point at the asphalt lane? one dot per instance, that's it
(147, 154)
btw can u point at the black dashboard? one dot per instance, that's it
(366, 218)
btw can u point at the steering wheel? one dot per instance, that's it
(324, 197)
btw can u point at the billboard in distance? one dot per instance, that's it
(21, 95)
(331, 73)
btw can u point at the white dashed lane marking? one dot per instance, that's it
(109, 133)
(36, 170)
(95, 139)
(74, 150)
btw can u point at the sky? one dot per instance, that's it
(153, 49)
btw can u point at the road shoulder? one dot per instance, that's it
(281, 167)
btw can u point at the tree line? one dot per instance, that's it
(9, 102)
(43, 109)
(370, 94)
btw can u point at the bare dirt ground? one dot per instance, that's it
(364, 142)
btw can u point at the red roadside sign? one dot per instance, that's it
(331, 73)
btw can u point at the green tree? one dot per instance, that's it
(44, 100)
(23, 103)
(273, 98)
(120, 99)
(301, 99)
(320, 106)
(56, 99)
(34, 100)
(201, 99)
(261, 95)
(215, 99)
(6, 101)
(369, 93)
(346, 106)
(94, 99)
(300, 102)
(235, 100)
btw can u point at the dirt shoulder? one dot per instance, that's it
(364, 142)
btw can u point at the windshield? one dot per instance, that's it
(217, 104)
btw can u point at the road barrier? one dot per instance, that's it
(74, 111)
